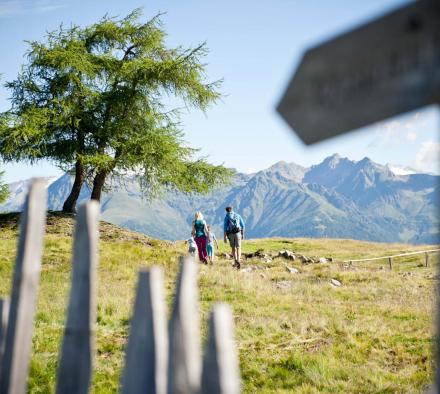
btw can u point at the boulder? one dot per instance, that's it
(303, 259)
(335, 283)
(284, 284)
(259, 254)
(292, 270)
(322, 260)
(306, 260)
(287, 254)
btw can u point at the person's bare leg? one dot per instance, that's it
(237, 257)
(233, 253)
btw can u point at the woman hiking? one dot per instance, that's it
(199, 232)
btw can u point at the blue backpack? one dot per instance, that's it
(234, 224)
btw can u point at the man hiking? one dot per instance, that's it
(233, 228)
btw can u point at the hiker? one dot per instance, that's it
(210, 244)
(199, 233)
(192, 246)
(233, 228)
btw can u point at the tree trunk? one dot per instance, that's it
(70, 203)
(98, 184)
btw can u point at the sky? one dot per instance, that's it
(254, 48)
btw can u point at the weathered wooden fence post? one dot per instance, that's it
(4, 313)
(221, 373)
(76, 362)
(426, 258)
(184, 357)
(145, 370)
(15, 362)
(151, 365)
(390, 262)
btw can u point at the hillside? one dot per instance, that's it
(337, 198)
(295, 332)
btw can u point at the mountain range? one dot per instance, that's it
(338, 198)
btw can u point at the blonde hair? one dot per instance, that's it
(198, 216)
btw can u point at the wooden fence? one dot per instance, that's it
(158, 359)
(390, 258)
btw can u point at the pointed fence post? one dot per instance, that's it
(184, 357)
(15, 363)
(221, 371)
(76, 362)
(4, 313)
(145, 369)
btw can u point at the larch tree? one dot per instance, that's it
(4, 190)
(97, 100)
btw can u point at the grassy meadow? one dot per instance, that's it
(295, 332)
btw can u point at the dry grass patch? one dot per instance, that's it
(295, 332)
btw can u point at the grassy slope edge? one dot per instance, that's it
(295, 333)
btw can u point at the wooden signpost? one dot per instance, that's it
(381, 69)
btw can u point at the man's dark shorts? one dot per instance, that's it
(234, 239)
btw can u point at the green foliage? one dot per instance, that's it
(101, 95)
(4, 190)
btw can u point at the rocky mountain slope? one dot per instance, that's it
(337, 198)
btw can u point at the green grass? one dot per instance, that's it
(295, 333)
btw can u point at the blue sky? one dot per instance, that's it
(254, 47)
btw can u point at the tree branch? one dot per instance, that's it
(128, 51)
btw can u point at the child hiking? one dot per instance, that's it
(199, 233)
(210, 244)
(192, 246)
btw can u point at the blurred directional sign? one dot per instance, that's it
(383, 68)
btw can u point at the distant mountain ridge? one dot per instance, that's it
(338, 198)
